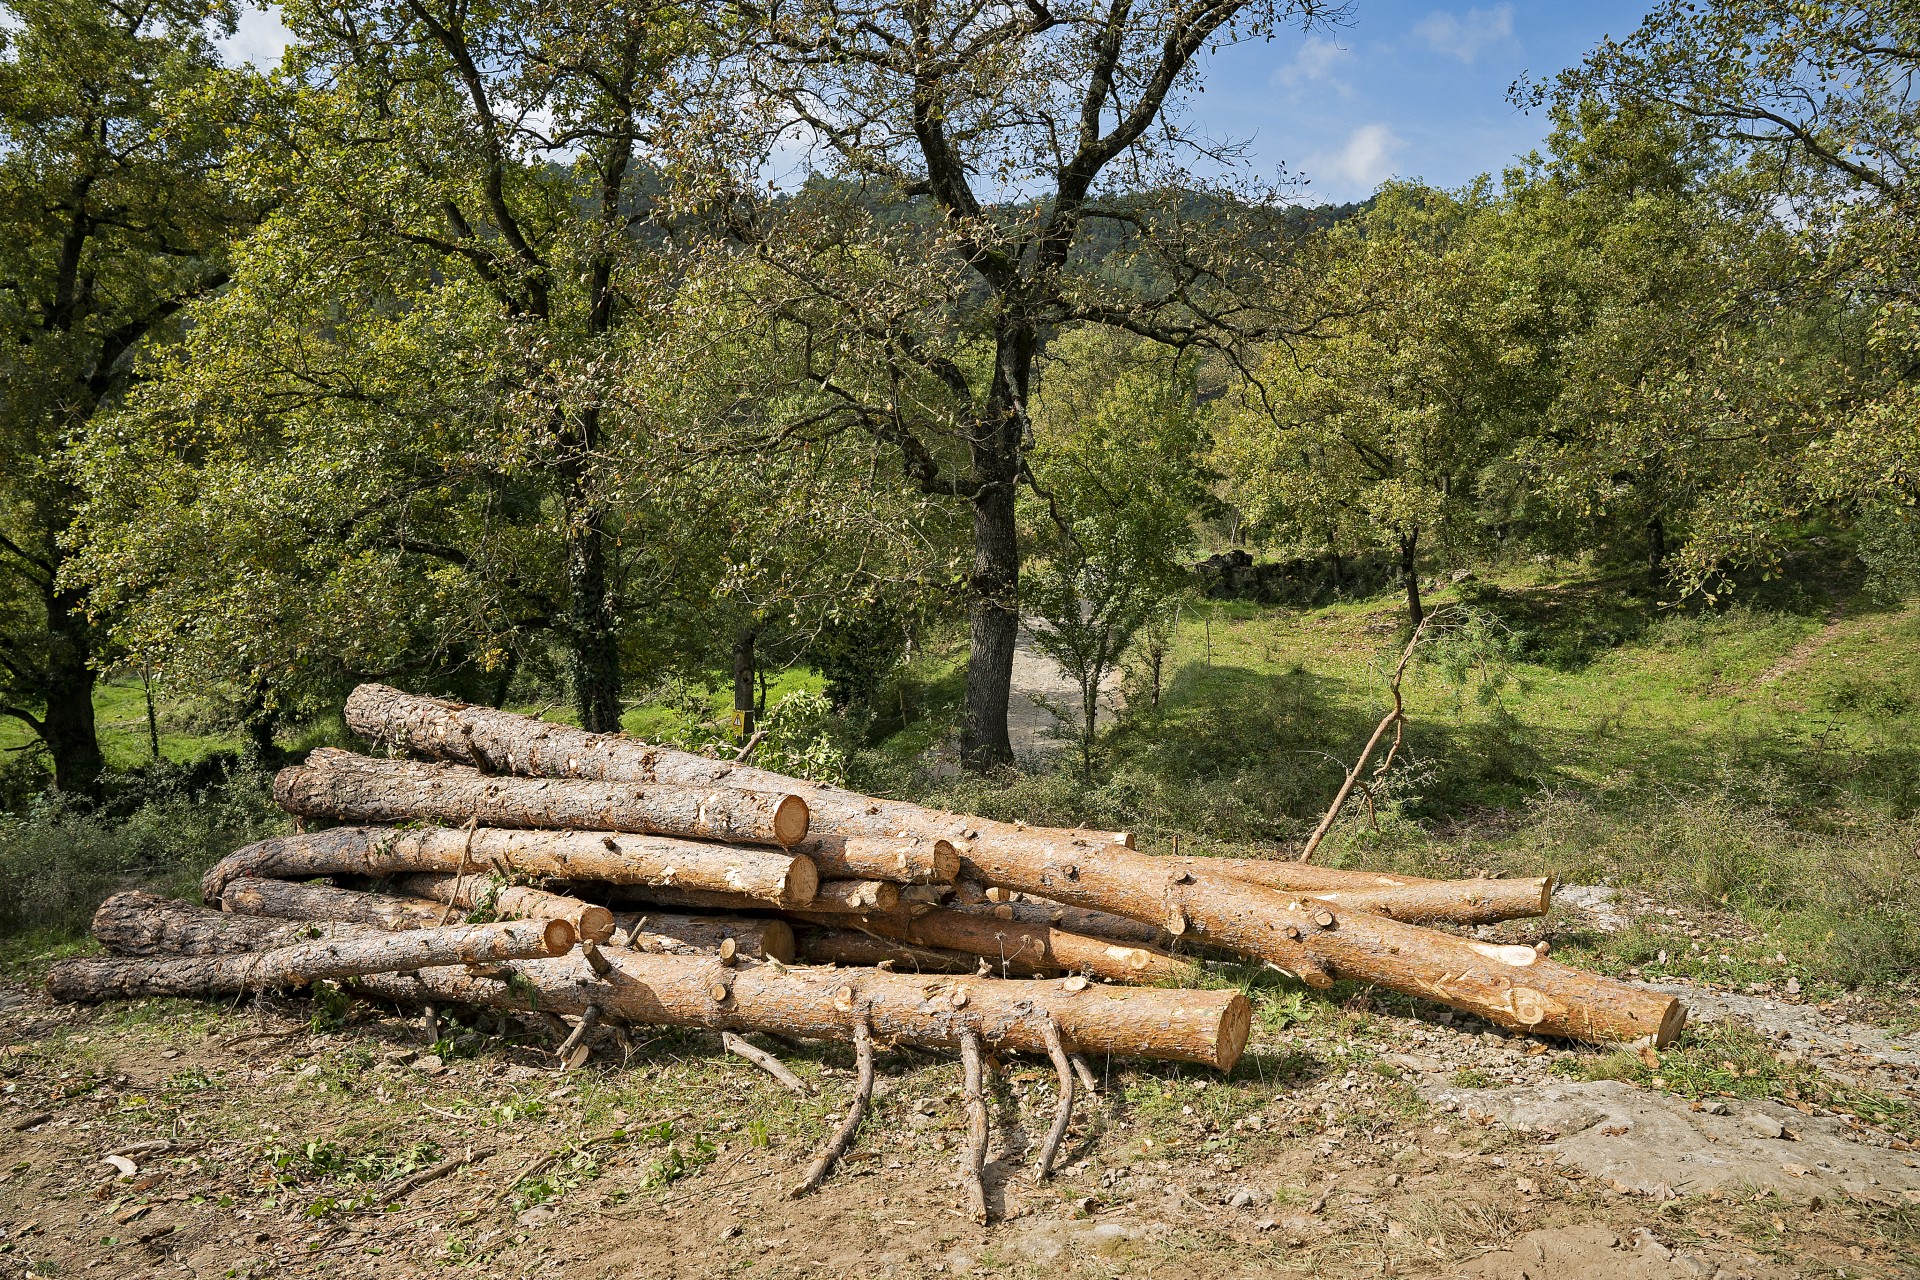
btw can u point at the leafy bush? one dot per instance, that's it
(59, 855)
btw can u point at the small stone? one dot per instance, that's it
(535, 1218)
(430, 1063)
(1242, 1198)
(1715, 1106)
(1762, 1125)
(1793, 986)
(1265, 1224)
(728, 1233)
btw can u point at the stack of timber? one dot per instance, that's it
(500, 861)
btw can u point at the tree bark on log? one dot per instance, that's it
(1035, 947)
(901, 859)
(339, 784)
(284, 900)
(1463, 902)
(135, 923)
(1511, 986)
(613, 857)
(843, 946)
(1207, 1027)
(834, 897)
(668, 933)
(594, 923)
(304, 963)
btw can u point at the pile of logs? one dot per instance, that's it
(515, 864)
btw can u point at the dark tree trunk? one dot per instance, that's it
(1410, 575)
(998, 440)
(744, 706)
(1656, 552)
(257, 723)
(68, 727)
(503, 684)
(592, 630)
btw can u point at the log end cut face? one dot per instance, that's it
(790, 820)
(1236, 1024)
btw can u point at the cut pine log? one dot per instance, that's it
(284, 900)
(845, 946)
(1207, 1027)
(836, 897)
(768, 875)
(900, 860)
(1009, 942)
(1510, 986)
(487, 893)
(136, 923)
(668, 933)
(298, 965)
(339, 784)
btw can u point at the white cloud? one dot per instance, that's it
(260, 38)
(1466, 38)
(1317, 62)
(1363, 163)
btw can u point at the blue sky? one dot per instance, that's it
(1406, 88)
(1402, 89)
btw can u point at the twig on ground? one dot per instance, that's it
(765, 1061)
(862, 1094)
(1063, 1112)
(973, 1071)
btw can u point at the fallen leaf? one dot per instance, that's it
(126, 1167)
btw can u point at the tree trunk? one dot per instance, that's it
(837, 897)
(485, 893)
(593, 656)
(993, 629)
(308, 962)
(1409, 899)
(284, 900)
(1656, 552)
(1207, 1027)
(134, 923)
(613, 857)
(852, 948)
(68, 727)
(1088, 869)
(1410, 575)
(668, 933)
(1034, 947)
(339, 784)
(743, 670)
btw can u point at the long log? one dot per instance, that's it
(838, 897)
(768, 875)
(308, 962)
(1010, 942)
(1511, 986)
(488, 893)
(843, 946)
(669, 933)
(339, 784)
(137, 923)
(1207, 1027)
(285, 900)
(1465, 902)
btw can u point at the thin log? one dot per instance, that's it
(1207, 1027)
(832, 897)
(136, 923)
(862, 1095)
(902, 859)
(741, 1047)
(851, 947)
(767, 875)
(1063, 1111)
(593, 922)
(339, 784)
(309, 962)
(670, 933)
(973, 1077)
(1513, 987)
(1009, 942)
(433, 1173)
(578, 1040)
(283, 900)
(1464, 902)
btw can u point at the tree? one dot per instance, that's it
(976, 149)
(1118, 436)
(1816, 101)
(395, 446)
(113, 218)
(1376, 433)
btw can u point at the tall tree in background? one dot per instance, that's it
(985, 145)
(113, 217)
(396, 445)
(1818, 100)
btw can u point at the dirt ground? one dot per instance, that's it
(279, 1137)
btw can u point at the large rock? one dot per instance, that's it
(1655, 1144)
